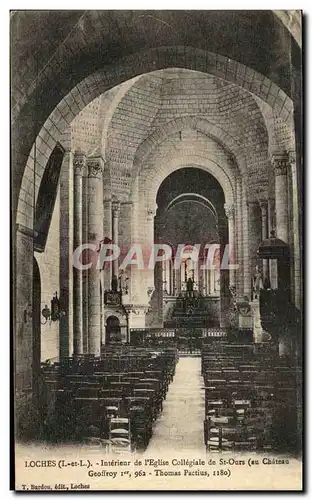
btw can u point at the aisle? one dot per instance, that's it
(180, 425)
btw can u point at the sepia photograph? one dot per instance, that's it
(156, 250)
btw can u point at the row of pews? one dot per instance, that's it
(250, 398)
(108, 401)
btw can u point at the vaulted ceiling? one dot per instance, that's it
(241, 54)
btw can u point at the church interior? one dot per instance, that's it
(168, 128)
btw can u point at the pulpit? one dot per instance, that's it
(278, 314)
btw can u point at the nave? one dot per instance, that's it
(177, 129)
(237, 397)
(180, 425)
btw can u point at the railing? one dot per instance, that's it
(187, 336)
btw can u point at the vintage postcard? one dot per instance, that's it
(157, 166)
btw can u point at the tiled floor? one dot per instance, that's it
(180, 425)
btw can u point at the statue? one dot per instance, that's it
(189, 285)
(257, 282)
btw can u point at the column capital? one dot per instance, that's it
(280, 163)
(292, 157)
(95, 166)
(79, 163)
(252, 203)
(263, 204)
(151, 212)
(229, 211)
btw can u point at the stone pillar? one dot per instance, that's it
(178, 279)
(115, 214)
(23, 334)
(95, 227)
(79, 162)
(296, 228)
(254, 233)
(239, 240)
(201, 278)
(271, 227)
(229, 212)
(149, 276)
(85, 273)
(107, 221)
(26, 411)
(246, 250)
(170, 277)
(66, 253)
(107, 233)
(174, 284)
(224, 274)
(212, 273)
(125, 223)
(280, 163)
(158, 225)
(264, 225)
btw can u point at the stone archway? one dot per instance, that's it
(36, 325)
(151, 228)
(134, 65)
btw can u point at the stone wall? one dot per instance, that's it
(49, 262)
(23, 325)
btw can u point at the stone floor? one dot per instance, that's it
(180, 425)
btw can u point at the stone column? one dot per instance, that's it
(254, 233)
(25, 401)
(125, 223)
(170, 277)
(280, 163)
(115, 215)
(66, 253)
(296, 228)
(212, 274)
(271, 227)
(107, 221)
(264, 225)
(158, 271)
(174, 284)
(239, 240)
(79, 162)
(148, 241)
(95, 226)
(246, 250)
(229, 212)
(107, 233)
(224, 273)
(85, 273)
(201, 278)
(23, 333)
(178, 279)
